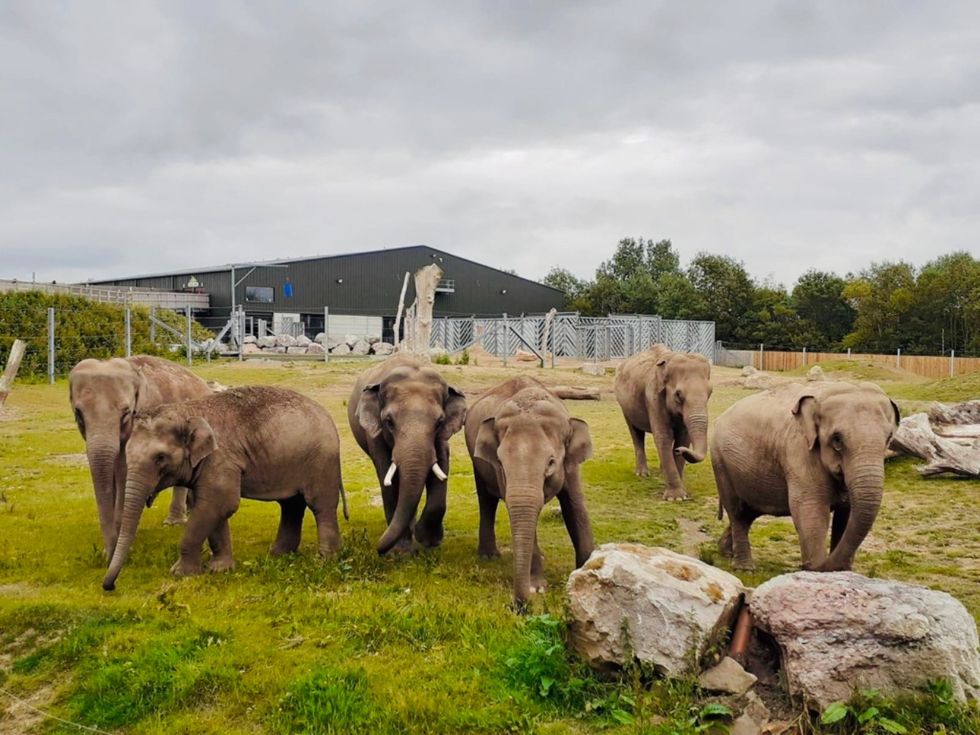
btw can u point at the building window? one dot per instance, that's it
(259, 294)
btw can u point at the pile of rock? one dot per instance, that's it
(350, 344)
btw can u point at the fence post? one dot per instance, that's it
(804, 357)
(190, 358)
(762, 364)
(153, 325)
(241, 333)
(51, 345)
(506, 341)
(952, 362)
(552, 337)
(898, 358)
(129, 334)
(326, 334)
(848, 353)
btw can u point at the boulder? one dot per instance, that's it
(341, 349)
(296, 350)
(303, 341)
(250, 339)
(525, 356)
(277, 349)
(728, 677)
(593, 368)
(382, 348)
(815, 373)
(840, 631)
(265, 342)
(437, 352)
(748, 370)
(315, 349)
(372, 340)
(361, 347)
(758, 381)
(651, 604)
(250, 348)
(285, 340)
(350, 339)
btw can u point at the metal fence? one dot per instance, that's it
(570, 335)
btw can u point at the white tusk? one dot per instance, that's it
(437, 471)
(391, 474)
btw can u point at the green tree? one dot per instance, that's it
(564, 280)
(726, 291)
(883, 296)
(818, 298)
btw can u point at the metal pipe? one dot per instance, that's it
(51, 345)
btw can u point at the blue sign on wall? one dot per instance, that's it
(287, 290)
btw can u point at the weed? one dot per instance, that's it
(331, 702)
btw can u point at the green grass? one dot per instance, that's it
(359, 643)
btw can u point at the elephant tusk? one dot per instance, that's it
(391, 474)
(437, 471)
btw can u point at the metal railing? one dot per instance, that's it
(175, 300)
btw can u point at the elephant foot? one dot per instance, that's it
(489, 553)
(221, 564)
(429, 539)
(743, 565)
(642, 472)
(281, 549)
(725, 545)
(183, 568)
(538, 585)
(404, 547)
(675, 494)
(175, 520)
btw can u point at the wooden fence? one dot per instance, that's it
(928, 366)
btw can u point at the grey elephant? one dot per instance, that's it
(403, 413)
(665, 393)
(526, 450)
(263, 443)
(804, 451)
(105, 395)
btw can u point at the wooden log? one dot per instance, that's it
(17, 350)
(401, 308)
(574, 394)
(967, 412)
(915, 436)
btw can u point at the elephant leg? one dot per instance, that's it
(725, 544)
(664, 439)
(841, 515)
(538, 583)
(215, 505)
(576, 518)
(639, 450)
(740, 519)
(220, 543)
(726, 499)
(291, 512)
(322, 498)
(487, 547)
(429, 530)
(177, 514)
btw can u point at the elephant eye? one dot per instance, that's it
(78, 416)
(837, 441)
(389, 422)
(680, 396)
(160, 458)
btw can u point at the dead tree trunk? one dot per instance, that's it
(17, 350)
(401, 308)
(967, 412)
(916, 437)
(426, 280)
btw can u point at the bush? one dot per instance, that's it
(83, 329)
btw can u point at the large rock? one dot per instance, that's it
(382, 348)
(372, 339)
(265, 342)
(296, 350)
(341, 349)
(315, 349)
(593, 368)
(350, 339)
(748, 370)
(840, 631)
(249, 339)
(657, 606)
(285, 340)
(815, 373)
(248, 348)
(758, 381)
(361, 347)
(303, 341)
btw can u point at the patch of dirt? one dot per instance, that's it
(20, 716)
(9, 414)
(692, 536)
(70, 460)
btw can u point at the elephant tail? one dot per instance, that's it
(721, 510)
(343, 499)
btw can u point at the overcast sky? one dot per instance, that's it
(139, 137)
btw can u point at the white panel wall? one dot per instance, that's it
(362, 326)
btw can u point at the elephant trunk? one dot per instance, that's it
(136, 494)
(865, 484)
(414, 464)
(524, 504)
(103, 454)
(696, 422)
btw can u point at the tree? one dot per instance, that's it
(726, 291)
(882, 296)
(564, 280)
(661, 259)
(818, 298)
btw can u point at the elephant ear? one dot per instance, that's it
(578, 444)
(199, 440)
(807, 413)
(455, 413)
(486, 442)
(140, 387)
(898, 414)
(661, 382)
(369, 410)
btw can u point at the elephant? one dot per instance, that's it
(804, 451)
(262, 443)
(402, 414)
(105, 395)
(666, 394)
(526, 449)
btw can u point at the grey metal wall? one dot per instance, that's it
(369, 283)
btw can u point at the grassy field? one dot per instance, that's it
(367, 644)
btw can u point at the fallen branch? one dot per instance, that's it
(967, 412)
(17, 350)
(574, 394)
(915, 436)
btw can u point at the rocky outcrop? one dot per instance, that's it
(649, 604)
(758, 381)
(815, 373)
(840, 631)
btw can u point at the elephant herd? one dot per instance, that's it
(810, 452)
